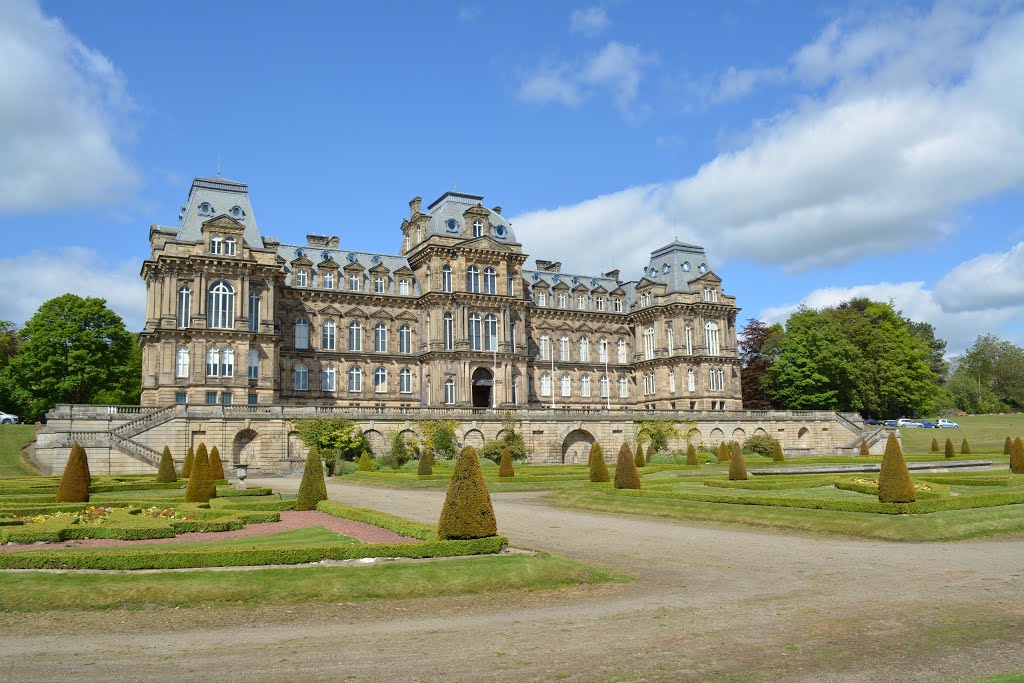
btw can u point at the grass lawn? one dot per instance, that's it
(12, 439)
(39, 591)
(983, 432)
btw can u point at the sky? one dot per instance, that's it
(817, 150)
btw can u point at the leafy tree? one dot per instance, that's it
(761, 444)
(936, 348)
(338, 436)
(312, 488)
(626, 474)
(894, 482)
(74, 483)
(758, 349)
(657, 433)
(467, 511)
(73, 350)
(598, 467)
(989, 376)
(397, 454)
(166, 474)
(8, 342)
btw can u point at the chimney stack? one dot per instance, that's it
(414, 206)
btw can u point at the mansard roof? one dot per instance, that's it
(210, 197)
(447, 219)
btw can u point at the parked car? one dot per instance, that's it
(943, 423)
(926, 424)
(869, 421)
(890, 423)
(904, 422)
(8, 419)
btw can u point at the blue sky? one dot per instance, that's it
(817, 150)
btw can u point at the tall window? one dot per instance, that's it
(217, 245)
(327, 335)
(473, 280)
(254, 311)
(380, 380)
(671, 381)
(491, 332)
(405, 339)
(581, 302)
(184, 306)
(212, 362)
(355, 378)
(405, 381)
(449, 332)
(512, 333)
(301, 278)
(649, 343)
(478, 228)
(691, 381)
(688, 333)
(355, 336)
(561, 300)
(670, 337)
(716, 379)
(622, 351)
(542, 299)
(711, 337)
(490, 281)
(220, 308)
(623, 388)
(545, 384)
(403, 287)
(599, 303)
(327, 378)
(328, 279)
(602, 351)
(449, 392)
(544, 347)
(509, 289)
(378, 284)
(302, 333)
(585, 386)
(254, 364)
(604, 386)
(301, 378)
(182, 362)
(475, 341)
(353, 282)
(617, 303)
(229, 246)
(566, 385)
(584, 350)
(563, 349)
(227, 363)
(380, 338)
(446, 278)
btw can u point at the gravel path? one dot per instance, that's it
(290, 521)
(709, 604)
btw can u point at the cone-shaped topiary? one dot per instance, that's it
(312, 488)
(467, 511)
(864, 450)
(200, 487)
(426, 464)
(935, 445)
(365, 462)
(626, 474)
(639, 457)
(965, 447)
(216, 465)
(649, 454)
(894, 482)
(691, 455)
(950, 451)
(186, 469)
(777, 454)
(1008, 446)
(166, 473)
(1017, 456)
(737, 465)
(723, 452)
(74, 484)
(598, 467)
(505, 466)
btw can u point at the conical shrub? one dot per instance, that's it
(691, 455)
(74, 484)
(166, 474)
(950, 451)
(312, 488)
(894, 482)
(598, 467)
(965, 447)
(1008, 446)
(365, 462)
(737, 465)
(505, 466)
(200, 487)
(935, 445)
(649, 454)
(190, 458)
(723, 452)
(638, 459)
(864, 450)
(467, 511)
(1017, 456)
(426, 464)
(777, 454)
(216, 466)
(626, 474)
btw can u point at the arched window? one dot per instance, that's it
(184, 306)
(711, 338)
(544, 347)
(405, 381)
(585, 386)
(328, 279)
(254, 311)
(623, 388)
(353, 282)
(378, 284)
(301, 278)
(327, 378)
(566, 385)
(563, 349)
(403, 287)
(490, 281)
(475, 342)
(301, 378)
(446, 278)
(405, 339)
(473, 280)
(602, 350)
(229, 246)
(584, 350)
(622, 351)
(380, 338)
(449, 392)
(491, 332)
(355, 336)
(691, 381)
(182, 364)
(380, 380)
(220, 306)
(355, 378)
(302, 333)
(212, 362)
(327, 335)
(649, 343)
(449, 332)
(545, 384)
(227, 363)
(604, 386)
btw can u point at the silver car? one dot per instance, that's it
(8, 419)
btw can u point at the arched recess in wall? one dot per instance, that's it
(576, 446)
(409, 437)
(760, 432)
(694, 436)
(717, 436)
(245, 447)
(803, 437)
(474, 438)
(376, 440)
(738, 435)
(296, 449)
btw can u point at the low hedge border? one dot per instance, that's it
(769, 485)
(171, 557)
(990, 480)
(426, 532)
(232, 492)
(266, 505)
(938, 490)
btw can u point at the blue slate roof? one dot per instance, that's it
(222, 196)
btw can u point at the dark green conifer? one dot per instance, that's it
(737, 464)
(723, 452)
(950, 451)
(691, 455)
(186, 469)
(426, 463)
(864, 450)
(935, 445)
(365, 462)
(200, 487)
(777, 454)
(505, 466)
(598, 467)
(467, 511)
(965, 447)
(626, 474)
(1008, 446)
(74, 483)
(166, 474)
(216, 466)
(894, 482)
(638, 459)
(312, 488)
(1017, 456)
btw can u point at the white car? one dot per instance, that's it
(8, 419)
(943, 423)
(904, 422)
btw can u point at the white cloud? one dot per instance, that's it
(987, 282)
(29, 280)
(591, 21)
(736, 83)
(876, 163)
(616, 68)
(61, 105)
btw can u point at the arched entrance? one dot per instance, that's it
(576, 446)
(483, 385)
(245, 448)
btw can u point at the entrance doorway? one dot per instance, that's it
(483, 385)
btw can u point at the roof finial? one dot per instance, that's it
(218, 163)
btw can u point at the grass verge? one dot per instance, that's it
(12, 439)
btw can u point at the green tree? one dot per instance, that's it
(467, 511)
(737, 464)
(723, 452)
(505, 466)
(691, 455)
(894, 482)
(186, 468)
(638, 459)
(950, 451)
(74, 483)
(439, 437)
(216, 465)
(626, 474)
(1008, 446)
(758, 349)
(425, 466)
(965, 447)
(200, 487)
(166, 474)
(777, 454)
(73, 350)
(656, 433)
(598, 467)
(864, 450)
(365, 462)
(340, 437)
(312, 488)
(1017, 456)
(397, 454)
(989, 376)
(935, 445)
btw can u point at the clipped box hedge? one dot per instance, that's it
(384, 520)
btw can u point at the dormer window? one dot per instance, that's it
(353, 282)
(581, 302)
(500, 231)
(328, 278)
(686, 266)
(617, 305)
(206, 209)
(378, 284)
(542, 299)
(229, 246)
(561, 300)
(478, 228)
(403, 287)
(451, 225)
(217, 245)
(237, 213)
(703, 268)
(301, 278)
